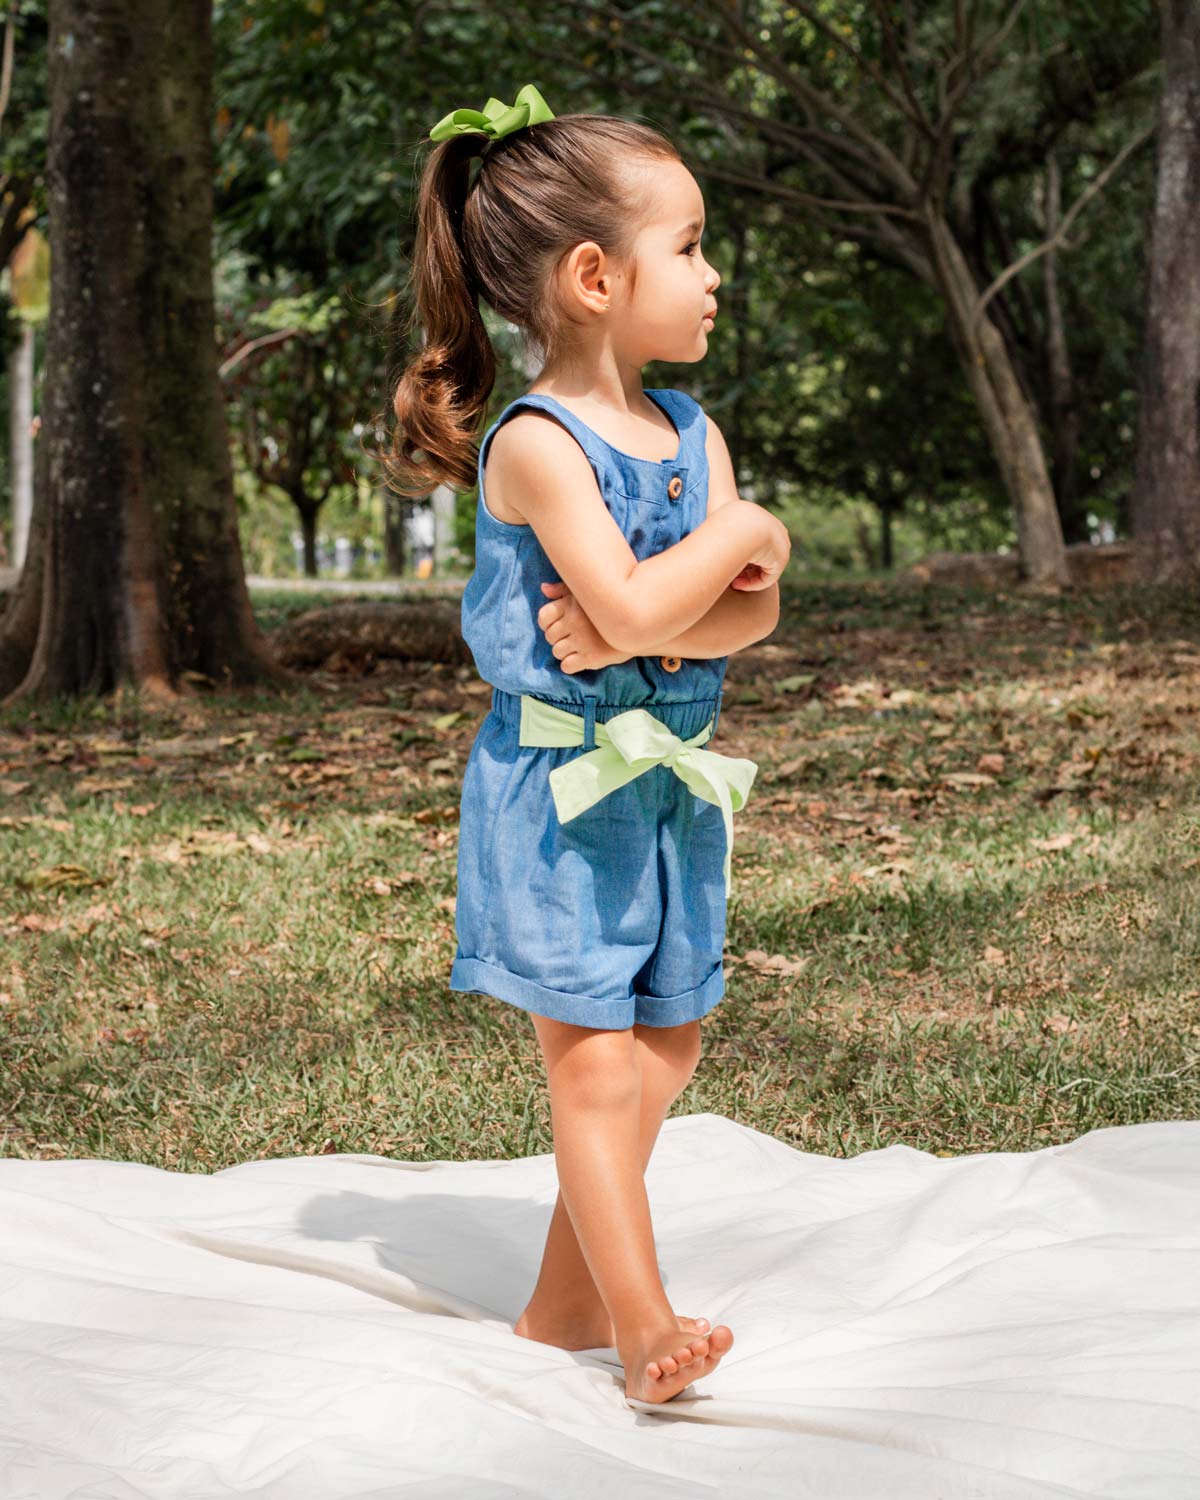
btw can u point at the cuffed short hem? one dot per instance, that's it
(475, 976)
(674, 1010)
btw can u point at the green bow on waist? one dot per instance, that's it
(626, 745)
(496, 118)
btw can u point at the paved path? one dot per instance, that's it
(411, 588)
(407, 588)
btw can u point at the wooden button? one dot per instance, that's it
(671, 663)
(675, 488)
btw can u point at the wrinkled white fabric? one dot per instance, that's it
(907, 1327)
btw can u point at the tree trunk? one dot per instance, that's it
(1064, 412)
(20, 439)
(395, 546)
(141, 576)
(1008, 418)
(308, 530)
(443, 502)
(1166, 491)
(22, 613)
(737, 297)
(887, 556)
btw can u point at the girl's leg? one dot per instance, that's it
(595, 1106)
(566, 1308)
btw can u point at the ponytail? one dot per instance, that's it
(443, 393)
(539, 191)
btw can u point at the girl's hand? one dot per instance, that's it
(575, 641)
(765, 567)
(749, 579)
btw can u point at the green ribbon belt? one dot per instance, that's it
(628, 744)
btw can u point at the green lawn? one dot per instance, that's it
(966, 908)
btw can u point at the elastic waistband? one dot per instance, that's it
(684, 719)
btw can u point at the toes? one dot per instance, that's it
(697, 1358)
(720, 1340)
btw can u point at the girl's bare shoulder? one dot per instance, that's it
(528, 442)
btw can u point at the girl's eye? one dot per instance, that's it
(690, 246)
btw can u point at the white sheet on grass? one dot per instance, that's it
(317, 1328)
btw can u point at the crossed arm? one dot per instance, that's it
(737, 619)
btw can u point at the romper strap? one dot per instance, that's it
(589, 723)
(591, 442)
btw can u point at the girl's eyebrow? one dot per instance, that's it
(693, 227)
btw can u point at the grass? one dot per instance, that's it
(966, 908)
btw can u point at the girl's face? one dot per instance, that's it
(667, 316)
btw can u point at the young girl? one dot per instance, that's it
(615, 570)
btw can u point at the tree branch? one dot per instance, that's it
(278, 337)
(1059, 238)
(769, 127)
(902, 252)
(798, 87)
(799, 140)
(907, 106)
(915, 112)
(797, 195)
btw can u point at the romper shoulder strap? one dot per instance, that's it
(580, 431)
(688, 415)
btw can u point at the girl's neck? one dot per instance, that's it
(600, 390)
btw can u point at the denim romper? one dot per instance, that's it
(617, 915)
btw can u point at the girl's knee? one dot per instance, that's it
(670, 1055)
(589, 1068)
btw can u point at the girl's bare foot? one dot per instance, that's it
(567, 1332)
(659, 1364)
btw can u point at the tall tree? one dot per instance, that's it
(888, 124)
(134, 573)
(1166, 496)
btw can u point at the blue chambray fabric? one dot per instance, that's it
(618, 915)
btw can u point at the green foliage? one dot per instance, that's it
(831, 371)
(27, 107)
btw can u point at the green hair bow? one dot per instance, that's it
(496, 119)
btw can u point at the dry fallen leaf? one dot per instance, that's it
(1059, 1024)
(1055, 841)
(771, 963)
(968, 778)
(57, 876)
(33, 921)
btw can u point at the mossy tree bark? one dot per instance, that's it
(135, 572)
(1166, 491)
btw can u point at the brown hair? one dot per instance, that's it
(538, 193)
